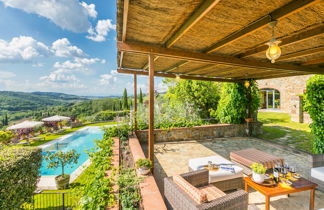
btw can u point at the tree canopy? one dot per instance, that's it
(201, 95)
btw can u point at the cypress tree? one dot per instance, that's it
(141, 97)
(125, 99)
(120, 105)
(6, 119)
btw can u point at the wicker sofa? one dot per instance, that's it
(178, 199)
(317, 172)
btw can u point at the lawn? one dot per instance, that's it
(52, 136)
(278, 127)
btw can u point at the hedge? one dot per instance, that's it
(314, 105)
(19, 173)
(108, 115)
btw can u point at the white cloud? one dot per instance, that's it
(63, 48)
(60, 76)
(67, 14)
(100, 32)
(90, 8)
(6, 74)
(22, 48)
(107, 79)
(26, 49)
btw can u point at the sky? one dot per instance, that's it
(66, 46)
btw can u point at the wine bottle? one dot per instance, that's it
(276, 175)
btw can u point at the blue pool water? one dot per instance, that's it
(81, 141)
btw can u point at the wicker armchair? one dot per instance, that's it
(318, 163)
(177, 199)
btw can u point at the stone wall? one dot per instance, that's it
(290, 88)
(201, 132)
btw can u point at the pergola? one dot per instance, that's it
(216, 40)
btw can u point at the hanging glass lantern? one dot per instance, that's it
(274, 51)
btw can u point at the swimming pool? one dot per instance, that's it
(81, 140)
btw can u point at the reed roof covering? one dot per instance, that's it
(220, 39)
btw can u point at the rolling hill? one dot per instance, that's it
(22, 101)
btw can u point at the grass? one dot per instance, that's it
(48, 199)
(52, 136)
(278, 127)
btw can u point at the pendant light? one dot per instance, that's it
(274, 51)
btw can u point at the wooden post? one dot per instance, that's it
(151, 110)
(135, 102)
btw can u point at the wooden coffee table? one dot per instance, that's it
(298, 186)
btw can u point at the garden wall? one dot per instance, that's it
(204, 132)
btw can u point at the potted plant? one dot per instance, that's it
(258, 171)
(143, 166)
(61, 159)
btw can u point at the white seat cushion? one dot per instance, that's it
(219, 175)
(318, 173)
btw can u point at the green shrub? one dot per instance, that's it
(6, 136)
(97, 193)
(235, 105)
(314, 105)
(108, 115)
(128, 189)
(143, 163)
(19, 173)
(120, 131)
(104, 116)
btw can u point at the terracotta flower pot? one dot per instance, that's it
(143, 171)
(248, 119)
(62, 181)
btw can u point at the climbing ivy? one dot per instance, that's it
(314, 105)
(236, 101)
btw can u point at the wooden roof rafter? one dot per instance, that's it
(175, 75)
(197, 15)
(124, 30)
(288, 9)
(304, 35)
(315, 61)
(282, 12)
(301, 53)
(211, 59)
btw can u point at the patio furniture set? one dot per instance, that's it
(208, 187)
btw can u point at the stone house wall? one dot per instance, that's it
(290, 88)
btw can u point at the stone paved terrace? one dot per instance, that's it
(171, 158)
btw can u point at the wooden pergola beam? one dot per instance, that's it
(194, 70)
(282, 12)
(172, 75)
(302, 53)
(315, 61)
(174, 67)
(195, 17)
(125, 19)
(124, 30)
(211, 59)
(272, 76)
(304, 35)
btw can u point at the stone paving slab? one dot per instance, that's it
(172, 158)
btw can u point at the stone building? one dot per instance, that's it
(285, 94)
